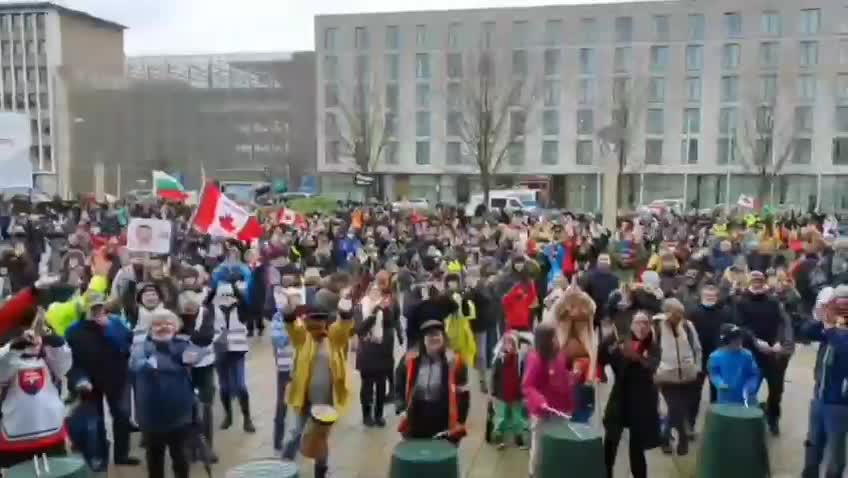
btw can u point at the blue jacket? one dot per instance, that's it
(735, 374)
(347, 248)
(224, 273)
(164, 394)
(282, 345)
(721, 261)
(832, 364)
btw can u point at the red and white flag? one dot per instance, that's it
(220, 216)
(290, 217)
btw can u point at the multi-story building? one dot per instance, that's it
(40, 44)
(707, 98)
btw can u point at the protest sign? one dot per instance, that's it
(149, 235)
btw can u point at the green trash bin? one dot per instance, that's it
(578, 447)
(745, 454)
(269, 468)
(56, 467)
(424, 459)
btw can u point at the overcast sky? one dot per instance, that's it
(212, 26)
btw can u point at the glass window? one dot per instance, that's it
(516, 153)
(769, 54)
(661, 27)
(589, 30)
(422, 65)
(696, 27)
(584, 152)
(331, 95)
(587, 61)
(454, 96)
(422, 39)
(733, 24)
(393, 67)
(727, 150)
(392, 96)
(553, 32)
(520, 33)
(653, 151)
(330, 35)
(768, 87)
(842, 119)
(454, 123)
(804, 119)
(422, 95)
(840, 151)
(809, 54)
(659, 58)
(624, 29)
(550, 152)
(454, 35)
(331, 125)
(807, 87)
(842, 86)
(391, 152)
(765, 120)
(331, 152)
(486, 67)
(620, 88)
(454, 65)
(729, 88)
(587, 91)
(730, 56)
(692, 120)
(689, 151)
(454, 153)
(585, 121)
(770, 23)
(656, 90)
(843, 51)
(727, 123)
(519, 62)
(422, 152)
(693, 88)
(550, 123)
(802, 151)
(810, 21)
(551, 62)
(623, 58)
(392, 37)
(656, 122)
(390, 120)
(363, 67)
(694, 57)
(331, 67)
(422, 123)
(487, 35)
(552, 93)
(517, 123)
(360, 38)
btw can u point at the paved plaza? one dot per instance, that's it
(357, 452)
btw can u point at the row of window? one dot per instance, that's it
(727, 152)
(553, 33)
(20, 77)
(15, 22)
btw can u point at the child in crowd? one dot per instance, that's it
(284, 359)
(507, 373)
(732, 368)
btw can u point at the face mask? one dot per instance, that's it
(519, 266)
(350, 236)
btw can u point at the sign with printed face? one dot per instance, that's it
(149, 235)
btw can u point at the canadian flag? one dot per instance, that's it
(289, 217)
(219, 216)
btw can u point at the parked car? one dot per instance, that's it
(414, 203)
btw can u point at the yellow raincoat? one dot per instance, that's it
(61, 316)
(460, 335)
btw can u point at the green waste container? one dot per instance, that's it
(57, 467)
(574, 447)
(734, 443)
(264, 469)
(424, 459)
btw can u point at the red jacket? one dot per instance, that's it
(517, 306)
(17, 310)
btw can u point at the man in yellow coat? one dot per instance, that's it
(319, 381)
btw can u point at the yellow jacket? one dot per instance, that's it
(305, 347)
(62, 315)
(460, 334)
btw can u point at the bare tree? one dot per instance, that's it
(490, 116)
(618, 138)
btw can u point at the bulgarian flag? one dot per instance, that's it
(166, 186)
(220, 216)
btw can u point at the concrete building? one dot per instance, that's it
(41, 43)
(712, 90)
(254, 110)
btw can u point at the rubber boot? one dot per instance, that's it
(244, 402)
(320, 471)
(228, 412)
(208, 430)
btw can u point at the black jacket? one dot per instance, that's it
(708, 322)
(377, 357)
(98, 358)
(599, 284)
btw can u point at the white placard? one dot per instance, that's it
(149, 235)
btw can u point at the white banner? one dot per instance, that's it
(149, 235)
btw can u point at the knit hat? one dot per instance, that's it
(651, 279)
(145, 287)
(730, 332)
(432, 325)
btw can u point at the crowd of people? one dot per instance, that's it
(535, 311)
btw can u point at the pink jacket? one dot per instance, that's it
(550, 384)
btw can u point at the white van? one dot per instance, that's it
(497, 200)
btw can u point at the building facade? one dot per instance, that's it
(707, 98)
(41, 43)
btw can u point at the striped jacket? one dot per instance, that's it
(233, 331)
